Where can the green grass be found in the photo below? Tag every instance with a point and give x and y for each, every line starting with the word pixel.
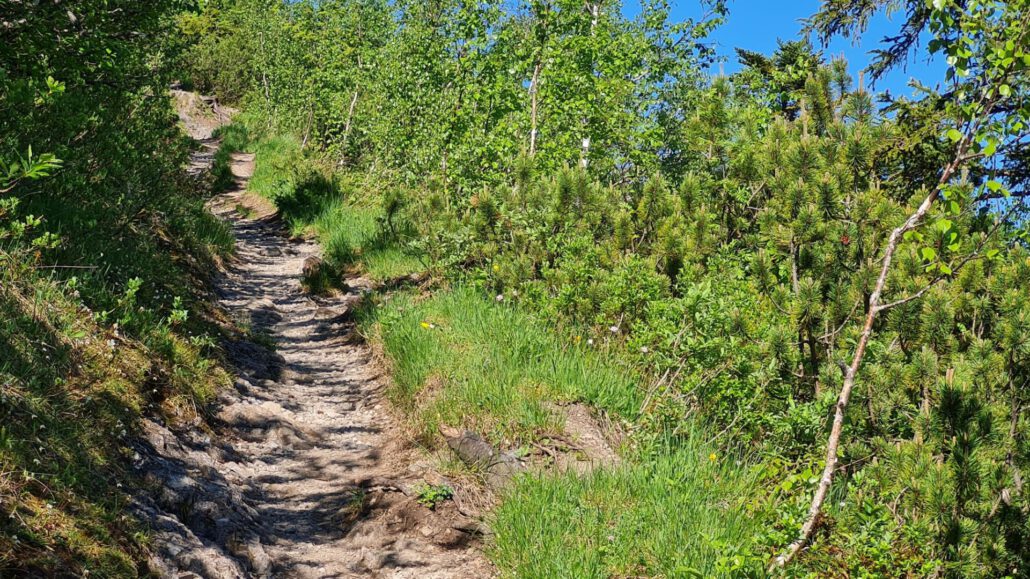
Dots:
pixel 345 221
pixel 461 360
pixel 235 138
pixel 351 236
pixel 71 394
pixel 280 173
pixel 674 515
pixel 492 368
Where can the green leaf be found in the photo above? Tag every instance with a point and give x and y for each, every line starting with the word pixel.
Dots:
pixel 928 253
pixel 954 135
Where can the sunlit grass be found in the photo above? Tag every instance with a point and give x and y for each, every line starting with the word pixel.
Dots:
pixel 461 360
pixel 676 514
pixel 342 217
pixel 350 235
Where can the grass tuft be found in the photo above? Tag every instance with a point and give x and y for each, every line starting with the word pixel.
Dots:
pixel 351 236
pixel 235 138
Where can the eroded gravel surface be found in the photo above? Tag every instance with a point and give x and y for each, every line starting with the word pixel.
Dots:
pixel 305 472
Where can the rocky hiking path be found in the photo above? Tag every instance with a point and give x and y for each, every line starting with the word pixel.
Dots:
pixel 306 473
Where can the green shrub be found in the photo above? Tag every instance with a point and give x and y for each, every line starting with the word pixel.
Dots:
pixel 430 496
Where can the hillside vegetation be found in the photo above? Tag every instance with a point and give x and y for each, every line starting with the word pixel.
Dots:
pixel 801 306
pixel 103 241
pixel 777 266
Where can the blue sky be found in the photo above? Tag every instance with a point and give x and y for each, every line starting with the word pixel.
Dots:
pixel 756 24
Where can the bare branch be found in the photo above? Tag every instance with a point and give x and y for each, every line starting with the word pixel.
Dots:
pixel 968 258
pixel 850 373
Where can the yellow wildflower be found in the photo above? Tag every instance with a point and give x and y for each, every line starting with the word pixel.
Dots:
pixel 425 325
pixel 712 457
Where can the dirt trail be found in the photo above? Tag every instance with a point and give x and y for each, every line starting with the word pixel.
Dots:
pixel 306 473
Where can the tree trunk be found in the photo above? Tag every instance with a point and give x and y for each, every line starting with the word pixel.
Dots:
pixel 584 156
pixel 307 128
pixel 533 90
pixel 350 118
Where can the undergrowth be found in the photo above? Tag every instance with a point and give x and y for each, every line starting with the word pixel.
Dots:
pixel 73 386
pixel 349 222
pixel 350 232
pixel 103 319
pixel 463 361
